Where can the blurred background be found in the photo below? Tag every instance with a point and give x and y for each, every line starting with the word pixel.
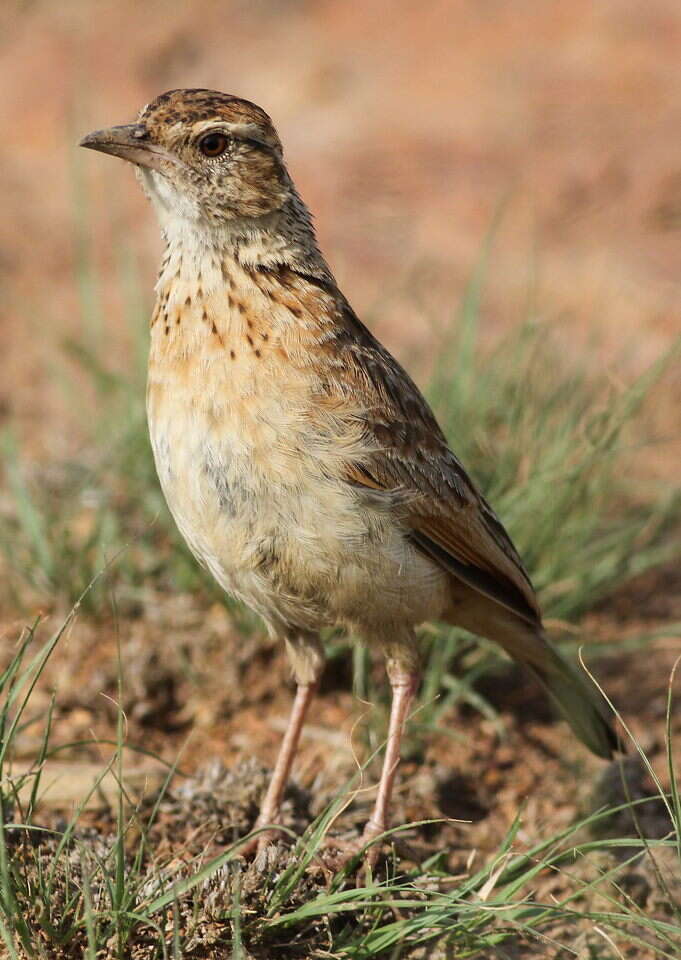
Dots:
pixel 405 125
pixel 497 186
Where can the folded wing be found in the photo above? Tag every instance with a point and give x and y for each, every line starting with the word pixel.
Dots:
pixel 409 460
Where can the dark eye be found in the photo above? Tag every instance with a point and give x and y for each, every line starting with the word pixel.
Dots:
pixel 213 144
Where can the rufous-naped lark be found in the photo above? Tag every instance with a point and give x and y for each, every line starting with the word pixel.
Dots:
pixel 301 464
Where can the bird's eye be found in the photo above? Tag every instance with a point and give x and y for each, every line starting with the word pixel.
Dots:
pixel 213 144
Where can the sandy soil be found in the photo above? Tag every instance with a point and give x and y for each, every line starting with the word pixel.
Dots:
pixel 190 691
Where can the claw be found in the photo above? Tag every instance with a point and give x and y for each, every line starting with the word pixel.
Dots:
pixel 259 842
pixel 348 850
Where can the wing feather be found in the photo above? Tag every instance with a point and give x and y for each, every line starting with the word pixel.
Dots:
pixel 446 517
pixel 405 457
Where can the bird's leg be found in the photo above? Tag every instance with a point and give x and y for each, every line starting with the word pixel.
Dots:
pixel 271 805
pixel 404 681
pixel 403 672
pixel 307 659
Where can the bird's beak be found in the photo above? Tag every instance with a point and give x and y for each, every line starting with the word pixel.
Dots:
pixel 130 142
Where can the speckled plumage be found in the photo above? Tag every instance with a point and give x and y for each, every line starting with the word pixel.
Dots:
pixel 299 460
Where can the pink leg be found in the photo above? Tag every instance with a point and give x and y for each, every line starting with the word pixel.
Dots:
pixel 404 683
pixel 306 656
pixel 271 806
pixel 404 679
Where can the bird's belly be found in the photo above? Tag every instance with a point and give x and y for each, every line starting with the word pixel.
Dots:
pixel 219 498
pixel 255 499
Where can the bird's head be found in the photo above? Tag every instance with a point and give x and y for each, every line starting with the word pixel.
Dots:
pixel 205 158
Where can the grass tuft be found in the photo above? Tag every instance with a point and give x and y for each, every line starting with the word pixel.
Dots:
pixel 145 884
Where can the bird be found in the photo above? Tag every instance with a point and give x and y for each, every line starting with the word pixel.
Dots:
pixel 299 460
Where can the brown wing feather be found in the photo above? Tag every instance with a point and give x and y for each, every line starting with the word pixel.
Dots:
pixel 408 455
pixel 407 458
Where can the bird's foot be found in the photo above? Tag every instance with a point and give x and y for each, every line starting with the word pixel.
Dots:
pixel 259 842
pixel 340 852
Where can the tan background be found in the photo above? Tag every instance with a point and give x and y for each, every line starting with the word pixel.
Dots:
pixel 406 126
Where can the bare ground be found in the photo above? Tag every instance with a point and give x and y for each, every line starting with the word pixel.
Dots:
pixel 184 676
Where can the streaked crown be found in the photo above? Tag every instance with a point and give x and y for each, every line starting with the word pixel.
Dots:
pixel 181 116
pixel 204 158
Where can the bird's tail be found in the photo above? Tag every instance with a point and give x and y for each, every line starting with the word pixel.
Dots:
pixel 579 701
